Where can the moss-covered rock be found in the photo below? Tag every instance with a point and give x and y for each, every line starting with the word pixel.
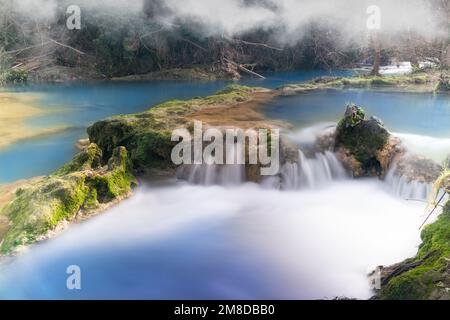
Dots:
pixel 363 139
pixel 81 185
pixel 88 159
pixel 39 208
pixel 427 276
pixel 147 135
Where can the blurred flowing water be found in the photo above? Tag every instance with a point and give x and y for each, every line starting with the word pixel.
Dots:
pixel 310 233
pixel 213 242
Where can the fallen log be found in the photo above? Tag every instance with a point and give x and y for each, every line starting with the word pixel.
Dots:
pixel 244 69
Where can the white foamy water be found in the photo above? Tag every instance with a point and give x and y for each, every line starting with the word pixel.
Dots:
pixel 244 242
pixel 437 149
pixel 408 190
pixel 308 233
pixel 309 173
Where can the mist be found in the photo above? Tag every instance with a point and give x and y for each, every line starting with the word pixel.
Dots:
pixel 288 20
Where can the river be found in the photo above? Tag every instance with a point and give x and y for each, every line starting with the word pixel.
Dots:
pixel 316 239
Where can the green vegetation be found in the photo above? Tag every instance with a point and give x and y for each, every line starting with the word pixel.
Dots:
pixel 429 278
pixel 80 186
pixel 363 138
pixel 147 135
pixel 422 79
pixel 13 77
pixel 444 83
pixel 104 170
pixel 86 160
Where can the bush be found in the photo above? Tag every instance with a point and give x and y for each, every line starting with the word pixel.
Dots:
pixel 14 77
pixel 444 83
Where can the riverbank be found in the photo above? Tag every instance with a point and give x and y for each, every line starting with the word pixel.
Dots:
pixel 63 74
pixel 422 81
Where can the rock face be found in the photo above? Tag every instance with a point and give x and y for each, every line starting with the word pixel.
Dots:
pixel 417 168
pixel 80 186
pixel 363 144
pixel 427 276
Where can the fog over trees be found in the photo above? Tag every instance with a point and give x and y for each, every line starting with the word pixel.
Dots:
pixel 120 37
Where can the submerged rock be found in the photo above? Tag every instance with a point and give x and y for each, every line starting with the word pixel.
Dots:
pixel 79 186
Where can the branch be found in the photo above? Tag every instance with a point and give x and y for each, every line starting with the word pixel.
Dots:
pixel 194 44
pixel 66 46
pixel 434 209
pixel 258 44
pixel 242 68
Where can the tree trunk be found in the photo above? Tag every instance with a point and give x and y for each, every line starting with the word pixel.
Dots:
pixel 377 54
pixel 445 54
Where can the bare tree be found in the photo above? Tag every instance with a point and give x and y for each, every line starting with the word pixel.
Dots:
pixel 376 45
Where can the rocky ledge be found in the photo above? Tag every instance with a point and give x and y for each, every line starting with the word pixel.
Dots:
pixel 81 187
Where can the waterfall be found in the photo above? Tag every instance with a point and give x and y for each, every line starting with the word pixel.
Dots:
pixel 311 172
pixel 216 174
pixel 405 188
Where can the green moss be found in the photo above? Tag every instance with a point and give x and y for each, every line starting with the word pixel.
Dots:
pixel 415 79
pixel 13 77
pixel 362 137
pixel 147 135
pixel 91 201
pixel 43 205
pixel 431 278
pixel 117 181
pixel 85 160
pixel 37 209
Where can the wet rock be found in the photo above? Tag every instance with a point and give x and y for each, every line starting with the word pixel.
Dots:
pixel 417 168
pixel 392 150
pixel 364 140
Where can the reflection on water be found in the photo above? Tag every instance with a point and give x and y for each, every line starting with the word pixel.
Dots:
pixel 190 242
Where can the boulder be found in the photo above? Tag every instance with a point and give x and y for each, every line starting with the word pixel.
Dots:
pixel 363 142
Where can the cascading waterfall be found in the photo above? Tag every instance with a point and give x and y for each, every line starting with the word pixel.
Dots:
pixel 307 173
pixel 312 172
pixel 216 174
pixel 404 188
